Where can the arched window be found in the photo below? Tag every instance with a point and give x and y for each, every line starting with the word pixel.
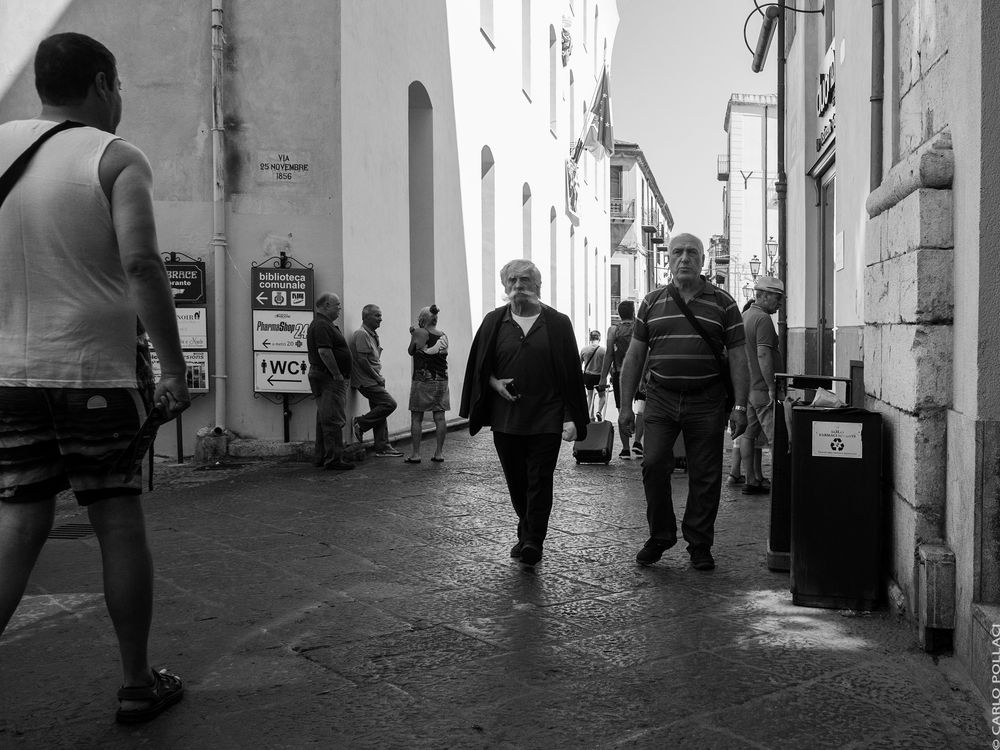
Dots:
pixel 553 275
pixel 572 273
pixel 597 67
pixel 526 47
pixel 489 262
pixel 526 220
pixel 553 80
pixel 421 198
pixel 573 135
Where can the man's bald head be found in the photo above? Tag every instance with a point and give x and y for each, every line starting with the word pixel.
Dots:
pixel 686 239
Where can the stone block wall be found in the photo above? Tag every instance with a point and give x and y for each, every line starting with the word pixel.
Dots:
pixel 909 307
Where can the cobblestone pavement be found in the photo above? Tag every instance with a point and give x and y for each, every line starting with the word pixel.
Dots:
pixel 379 608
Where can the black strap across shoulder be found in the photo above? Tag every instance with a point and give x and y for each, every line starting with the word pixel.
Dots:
pixel 15 170
pixel 723 364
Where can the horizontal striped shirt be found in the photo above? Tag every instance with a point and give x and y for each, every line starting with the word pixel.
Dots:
pixel 679 358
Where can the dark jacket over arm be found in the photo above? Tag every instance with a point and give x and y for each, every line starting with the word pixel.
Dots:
pixel 476 391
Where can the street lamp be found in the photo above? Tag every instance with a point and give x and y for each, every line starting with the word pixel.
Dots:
pixel 746 292
pixel 755 267
pixel 772 251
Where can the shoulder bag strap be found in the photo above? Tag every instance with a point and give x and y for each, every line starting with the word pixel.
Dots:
pixel 723 365
pixel 15 170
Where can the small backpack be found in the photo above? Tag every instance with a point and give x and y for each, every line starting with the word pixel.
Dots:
pixel 623 337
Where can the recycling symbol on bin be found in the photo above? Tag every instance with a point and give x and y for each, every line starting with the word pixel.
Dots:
pixel 837 445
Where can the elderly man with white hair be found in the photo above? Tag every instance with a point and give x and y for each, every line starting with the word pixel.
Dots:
pixel 692 332
pixel 523 379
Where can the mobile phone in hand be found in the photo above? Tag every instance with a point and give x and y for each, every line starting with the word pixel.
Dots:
pixel 512 390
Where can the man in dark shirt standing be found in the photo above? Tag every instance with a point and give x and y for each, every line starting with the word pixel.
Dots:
pixel 686 393
pixel 329 370
pixel 523 379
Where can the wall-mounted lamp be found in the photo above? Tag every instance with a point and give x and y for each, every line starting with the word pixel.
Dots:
pixel 767 29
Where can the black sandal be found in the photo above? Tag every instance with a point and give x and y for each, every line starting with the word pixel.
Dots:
pixel 165 691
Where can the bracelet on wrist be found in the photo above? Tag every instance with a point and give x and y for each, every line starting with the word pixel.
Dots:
pixel 737 407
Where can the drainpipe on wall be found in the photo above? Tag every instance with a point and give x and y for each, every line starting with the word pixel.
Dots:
pixel 878 83
pixel 780 186
pixel 219 244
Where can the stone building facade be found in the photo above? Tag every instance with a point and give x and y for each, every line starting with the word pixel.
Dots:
pixel 893 208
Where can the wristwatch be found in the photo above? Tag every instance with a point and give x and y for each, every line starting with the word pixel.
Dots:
pixel 739 408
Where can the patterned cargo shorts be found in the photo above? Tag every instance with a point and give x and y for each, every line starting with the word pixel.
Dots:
pixel 53 439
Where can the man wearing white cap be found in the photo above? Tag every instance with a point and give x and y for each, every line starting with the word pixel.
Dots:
pixel 764 359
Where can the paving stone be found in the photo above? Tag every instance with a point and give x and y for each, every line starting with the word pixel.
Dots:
pixel 382 609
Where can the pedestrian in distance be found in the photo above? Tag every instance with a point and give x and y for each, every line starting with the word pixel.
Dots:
pixel 329 373
pixel 80 257
pixel 763 360
pixel 429 385
pixel 592 358
pixel 618 340
pixel 736 475
pixel 523 379
pixel 686 329
pixel 366 376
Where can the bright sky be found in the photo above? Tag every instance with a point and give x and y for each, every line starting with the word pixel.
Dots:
pixel 674 65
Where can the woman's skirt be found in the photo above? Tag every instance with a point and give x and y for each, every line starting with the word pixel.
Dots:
pixel 429 395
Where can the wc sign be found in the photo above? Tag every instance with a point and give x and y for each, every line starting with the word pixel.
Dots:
pixel 280 372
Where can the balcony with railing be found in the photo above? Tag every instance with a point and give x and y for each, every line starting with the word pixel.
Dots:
pixel 651 220
pixel 622 210
pixel 718 252
pixel 723 171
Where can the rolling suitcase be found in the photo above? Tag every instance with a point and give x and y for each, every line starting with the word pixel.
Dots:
pixel 597 446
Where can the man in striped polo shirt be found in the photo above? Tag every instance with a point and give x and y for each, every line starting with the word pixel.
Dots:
pixel 686 394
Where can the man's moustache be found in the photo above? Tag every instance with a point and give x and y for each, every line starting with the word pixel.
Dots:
pixel 527 294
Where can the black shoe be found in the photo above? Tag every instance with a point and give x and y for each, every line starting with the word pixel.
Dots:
pixel 701 559
pixel 637 450
pixel 339 466
pixel 515 551
pixel 625 455
pixel 755 489
pixel 530 554
pixel 652 551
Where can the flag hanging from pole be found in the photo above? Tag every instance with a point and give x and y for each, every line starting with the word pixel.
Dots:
pixel 599 132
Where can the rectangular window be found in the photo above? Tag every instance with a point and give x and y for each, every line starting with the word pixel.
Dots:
pixel 526 48
pixel 486 20
pixel 829 16
pixel 616 287
pixel 616 183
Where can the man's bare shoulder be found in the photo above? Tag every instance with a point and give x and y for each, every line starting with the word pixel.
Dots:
pixel 119 156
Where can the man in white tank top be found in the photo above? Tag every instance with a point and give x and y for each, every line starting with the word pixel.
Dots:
pixel 81 263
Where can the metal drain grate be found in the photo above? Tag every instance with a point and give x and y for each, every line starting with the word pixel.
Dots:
pixel 71 531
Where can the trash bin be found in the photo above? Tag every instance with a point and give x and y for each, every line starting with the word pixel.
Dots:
pixel 779 540
pixel 836 508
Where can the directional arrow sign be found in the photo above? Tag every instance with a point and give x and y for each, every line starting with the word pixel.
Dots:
pixel 187 281
pixel 281 288
pixel 280 372
pixel 280 331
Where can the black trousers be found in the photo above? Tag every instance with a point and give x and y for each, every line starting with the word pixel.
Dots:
pixel 529 462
